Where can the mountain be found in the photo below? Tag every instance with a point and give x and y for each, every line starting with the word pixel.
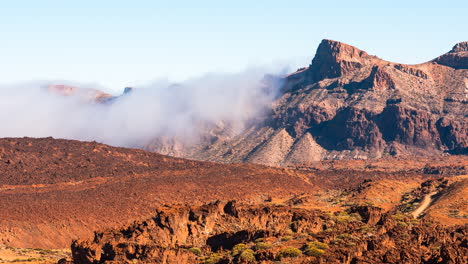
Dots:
pixel 348 104
pixel 86 94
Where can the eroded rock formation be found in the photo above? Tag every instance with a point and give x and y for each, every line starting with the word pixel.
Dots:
pixel 220 232
pixel 350 105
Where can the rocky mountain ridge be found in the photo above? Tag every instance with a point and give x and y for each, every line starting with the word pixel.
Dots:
pixel 350 105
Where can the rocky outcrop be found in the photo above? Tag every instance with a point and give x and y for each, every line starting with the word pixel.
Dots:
pixel 334 59
pixel 456 58
pixel 350 105
pixel 453 134
pixel 220 232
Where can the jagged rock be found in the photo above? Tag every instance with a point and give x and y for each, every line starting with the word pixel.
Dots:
pixel 453 134
pixel 334 59
pixel 348 104
pixel 457 57
pixel 378 238
pixel 370 214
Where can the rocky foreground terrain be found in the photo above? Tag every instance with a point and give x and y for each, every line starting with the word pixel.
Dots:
pixel 349 105
pixel 53 191
pixel 231 233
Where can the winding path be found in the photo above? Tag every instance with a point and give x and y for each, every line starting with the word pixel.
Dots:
pixel 425 203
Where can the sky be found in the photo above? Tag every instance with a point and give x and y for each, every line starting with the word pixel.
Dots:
pixel 115 43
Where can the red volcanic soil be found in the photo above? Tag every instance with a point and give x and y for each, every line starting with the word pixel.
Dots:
pixel 53 190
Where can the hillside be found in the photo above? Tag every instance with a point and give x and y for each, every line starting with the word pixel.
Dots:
pixel 348 104
pixel 54 190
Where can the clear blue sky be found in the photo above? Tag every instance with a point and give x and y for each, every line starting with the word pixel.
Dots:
pixel 118 43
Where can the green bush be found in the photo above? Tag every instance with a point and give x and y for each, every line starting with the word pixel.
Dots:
pixel 344 236
pixel 314 252
pixel 212 259
pixel 247 255
pixel 317 244
pixel 402 224
pixel 289 252
pixel 399 217
pixel 195 251
pixel 239 248
pixel 366 229
pixel 262 245
pixel 315 248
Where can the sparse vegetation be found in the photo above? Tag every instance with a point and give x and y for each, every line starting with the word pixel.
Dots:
pixel 314 252
pixel 212 259
pixel 247 255
pixel 262 245
pixel 402 224
pixel 238 249
pixel 367 229
pixel 315 248
pixel 289 252
pixel 318 244
pixel 195 251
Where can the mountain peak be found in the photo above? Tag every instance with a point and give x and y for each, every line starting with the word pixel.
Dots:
pixel 461 46
pixel 339 50
pixel 334 58
pixel 456 58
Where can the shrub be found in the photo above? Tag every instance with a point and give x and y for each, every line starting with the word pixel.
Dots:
pixel 337 241
pixel 350 244
pixel 344 236
pixel 402 224
pixel 286 238
pixel 366 229
pixel 399 217
pixel 195 251
pixel 239 248
pixel 356 216
pixel 343 219
pixel 289 252
pixel 212 259
pixel 315 248
pixel 317 244
pixel 262 245
pixel 247 255
pixel 314 252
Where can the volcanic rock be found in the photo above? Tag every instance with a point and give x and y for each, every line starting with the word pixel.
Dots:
pixel 378 238
pixel 350 105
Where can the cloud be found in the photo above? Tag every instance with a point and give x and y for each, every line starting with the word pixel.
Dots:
pixel 181 110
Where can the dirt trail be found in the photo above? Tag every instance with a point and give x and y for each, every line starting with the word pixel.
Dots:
pixel 425 203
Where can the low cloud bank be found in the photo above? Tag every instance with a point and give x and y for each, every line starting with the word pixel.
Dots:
pixel 134 119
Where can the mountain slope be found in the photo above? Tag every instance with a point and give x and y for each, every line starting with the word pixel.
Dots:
pixel 350 105
pixel 52 190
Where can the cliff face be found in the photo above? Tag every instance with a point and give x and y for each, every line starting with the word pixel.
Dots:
pixel 348 104
pixel 232 233
pixel 457 57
